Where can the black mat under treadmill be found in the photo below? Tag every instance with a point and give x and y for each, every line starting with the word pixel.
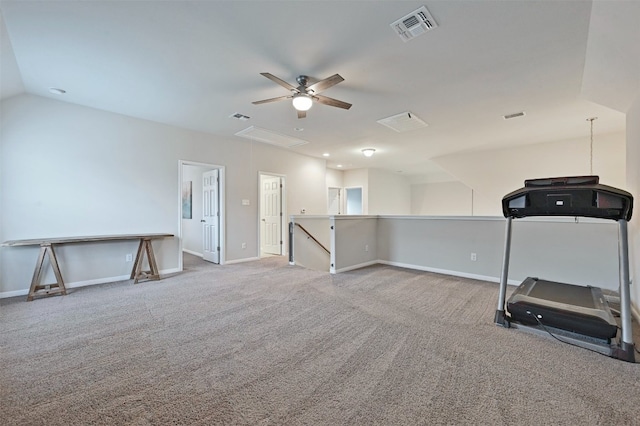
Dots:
pixel 581 310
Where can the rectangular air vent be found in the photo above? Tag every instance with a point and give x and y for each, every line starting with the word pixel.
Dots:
pixel 517 114
pixel 403 122
pixel 414 24
pixel 270 137
pixel 239 116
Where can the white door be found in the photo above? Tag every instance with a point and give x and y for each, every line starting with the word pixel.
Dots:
pixel 334 201
pixel 210 217
pixel 271 214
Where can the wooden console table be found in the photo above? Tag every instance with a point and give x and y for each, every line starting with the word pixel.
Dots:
pixel 46 249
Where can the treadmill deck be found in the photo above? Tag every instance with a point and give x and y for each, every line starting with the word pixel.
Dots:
pixel 581 310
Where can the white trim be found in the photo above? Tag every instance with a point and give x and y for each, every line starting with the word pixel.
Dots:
pixel 352 267
pixel 184 250
pixel 448 272
pixel 221 194
pixel 14 293
pixel 284 228
pixel 87 283
pixel 246 259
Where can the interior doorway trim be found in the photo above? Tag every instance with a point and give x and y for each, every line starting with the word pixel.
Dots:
pixel 284 251
pixel 222 234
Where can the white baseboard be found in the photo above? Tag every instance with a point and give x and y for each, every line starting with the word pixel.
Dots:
pixel 448 272
pixel 195 253
pixel 246 259
pixel 13 293
pixel 85 283
pixel 352 267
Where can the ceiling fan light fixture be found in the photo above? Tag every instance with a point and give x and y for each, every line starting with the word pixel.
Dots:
pixel 302 102
pixel 368 152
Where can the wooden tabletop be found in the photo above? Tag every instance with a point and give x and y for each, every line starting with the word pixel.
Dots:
pixel 87 239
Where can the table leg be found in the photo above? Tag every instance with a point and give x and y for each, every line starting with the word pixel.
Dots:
pixel 137 273
pixel 48 289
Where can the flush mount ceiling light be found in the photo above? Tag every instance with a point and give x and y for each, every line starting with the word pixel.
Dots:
pixel 57 91
pixel 302 102
pixel 368 152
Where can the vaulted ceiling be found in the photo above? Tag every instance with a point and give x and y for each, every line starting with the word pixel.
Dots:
pixel 193 64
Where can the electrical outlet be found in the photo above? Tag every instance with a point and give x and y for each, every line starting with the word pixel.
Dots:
pixel 366 247
pixel 473 257
pixel 129 257
pixel 244 245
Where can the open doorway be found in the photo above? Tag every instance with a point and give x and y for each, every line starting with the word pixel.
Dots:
pixel 201 211
pixel 271 219
pixel 354 200
pixel 334 205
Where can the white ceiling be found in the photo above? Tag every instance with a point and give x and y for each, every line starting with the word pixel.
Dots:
pixel 193 64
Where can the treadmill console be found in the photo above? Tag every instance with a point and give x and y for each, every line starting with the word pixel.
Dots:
pixel 568 196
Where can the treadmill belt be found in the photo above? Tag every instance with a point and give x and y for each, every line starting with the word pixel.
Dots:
pixel 581 310
pixel 563 293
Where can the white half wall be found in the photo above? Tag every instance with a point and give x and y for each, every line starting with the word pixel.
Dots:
pixel 583 253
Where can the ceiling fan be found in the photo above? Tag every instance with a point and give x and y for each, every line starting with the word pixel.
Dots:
pixel 304 95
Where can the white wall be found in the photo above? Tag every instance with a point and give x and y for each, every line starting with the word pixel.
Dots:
pixel 389 193
pixel 441 199
pixel 68 170
pixel 493 173
pixel 334 178
pixel 306 252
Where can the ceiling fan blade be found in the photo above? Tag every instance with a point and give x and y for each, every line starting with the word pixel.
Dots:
pixel 279 81
pixel 302 114
pixel 331 102
pixel 265 101
pixel 325 84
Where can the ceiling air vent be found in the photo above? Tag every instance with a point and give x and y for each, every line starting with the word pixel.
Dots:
pixel 414 24
pixel 270 137
pixel 239 116
pixel 403 122
pixel 517 114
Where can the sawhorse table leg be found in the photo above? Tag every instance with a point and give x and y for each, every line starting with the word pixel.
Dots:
pixel 36 288
pixel 137 273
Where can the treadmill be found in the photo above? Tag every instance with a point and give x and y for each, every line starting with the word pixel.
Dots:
pixel 574 314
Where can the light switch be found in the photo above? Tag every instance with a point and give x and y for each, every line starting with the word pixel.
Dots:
pixel 245 202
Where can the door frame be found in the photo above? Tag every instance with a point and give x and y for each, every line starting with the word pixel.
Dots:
pixel 340 203
pixel 284 250
pixel 222 207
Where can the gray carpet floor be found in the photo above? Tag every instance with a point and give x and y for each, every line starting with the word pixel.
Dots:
pixel 265 343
